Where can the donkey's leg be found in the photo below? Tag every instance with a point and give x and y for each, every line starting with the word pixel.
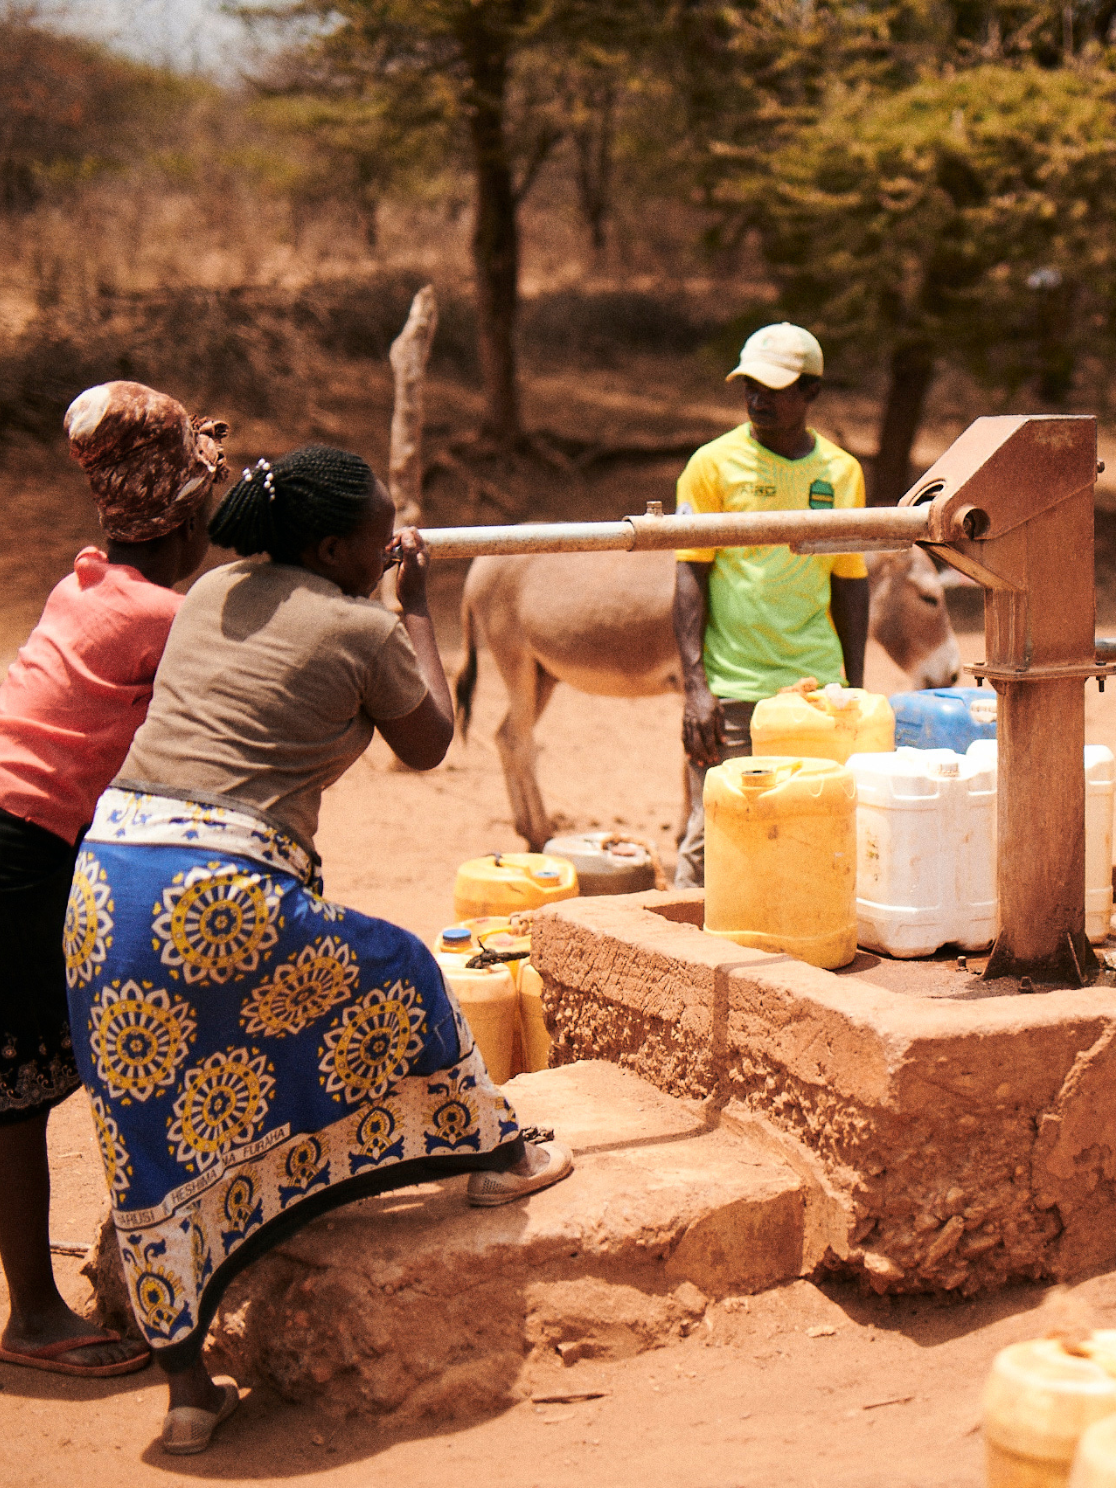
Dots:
pixel 516 742
pixel 544 690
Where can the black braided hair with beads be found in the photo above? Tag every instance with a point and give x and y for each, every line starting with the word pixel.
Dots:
pixel 282 507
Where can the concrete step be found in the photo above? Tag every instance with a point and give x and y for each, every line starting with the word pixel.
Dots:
pixel 653 1181
pixel 415 1303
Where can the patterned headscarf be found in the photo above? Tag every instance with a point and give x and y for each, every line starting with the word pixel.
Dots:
pixel 149 463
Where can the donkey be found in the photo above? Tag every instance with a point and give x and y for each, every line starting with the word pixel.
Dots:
pixel 602 622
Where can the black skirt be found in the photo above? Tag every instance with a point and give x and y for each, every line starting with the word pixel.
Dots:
pixel 37 1068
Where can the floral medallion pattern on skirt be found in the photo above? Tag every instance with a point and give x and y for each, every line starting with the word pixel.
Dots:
pixel 246 1044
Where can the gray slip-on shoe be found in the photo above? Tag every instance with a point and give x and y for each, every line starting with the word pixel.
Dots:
pixel 187 1429
pixel 488 1189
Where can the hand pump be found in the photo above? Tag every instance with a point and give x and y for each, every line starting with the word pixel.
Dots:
pixel 1010 503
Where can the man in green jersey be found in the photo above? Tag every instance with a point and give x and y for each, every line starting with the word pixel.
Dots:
pixel 750 621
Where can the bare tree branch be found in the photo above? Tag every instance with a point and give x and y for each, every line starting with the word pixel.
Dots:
pixel 541 146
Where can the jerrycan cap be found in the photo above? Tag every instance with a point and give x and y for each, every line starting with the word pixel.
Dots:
pixel 983 708
pixel 771 772
pixel 546 875
pixel 838 696
pixel 456 935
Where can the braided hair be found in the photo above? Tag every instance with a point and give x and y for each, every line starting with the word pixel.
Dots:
pixel 283 507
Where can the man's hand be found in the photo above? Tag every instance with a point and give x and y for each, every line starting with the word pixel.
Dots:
pixel 703 727
pixel 804 686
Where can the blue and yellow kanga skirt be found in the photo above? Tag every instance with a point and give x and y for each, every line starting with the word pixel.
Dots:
pixel 253 1053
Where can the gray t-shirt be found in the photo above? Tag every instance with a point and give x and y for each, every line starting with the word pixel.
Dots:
pixel 270 687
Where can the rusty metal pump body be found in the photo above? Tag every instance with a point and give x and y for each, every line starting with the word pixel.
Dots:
pixel 1010 504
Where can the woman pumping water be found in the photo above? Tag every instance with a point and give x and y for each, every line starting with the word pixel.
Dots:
pixel 256 1054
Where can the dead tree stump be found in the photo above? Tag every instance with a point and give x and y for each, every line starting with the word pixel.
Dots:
pixel 410 352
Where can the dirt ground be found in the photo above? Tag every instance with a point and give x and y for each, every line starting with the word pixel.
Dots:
pixel 890 1397
pixel 802 1385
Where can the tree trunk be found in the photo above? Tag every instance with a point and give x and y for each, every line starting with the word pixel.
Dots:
pixel 496 230
pixel 409 354
pixel 912 371
pixel 593 149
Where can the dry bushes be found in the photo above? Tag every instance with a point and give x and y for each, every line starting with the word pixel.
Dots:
pixel 208 347
pixel 262 351
pixel 165 230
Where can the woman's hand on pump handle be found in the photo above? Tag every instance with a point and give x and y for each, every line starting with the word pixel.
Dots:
pixel 409 552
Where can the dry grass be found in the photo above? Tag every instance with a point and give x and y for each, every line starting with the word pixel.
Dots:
pixel 260 350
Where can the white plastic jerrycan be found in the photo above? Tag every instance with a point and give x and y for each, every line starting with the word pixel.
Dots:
pixel 926 851
pixel 1100 790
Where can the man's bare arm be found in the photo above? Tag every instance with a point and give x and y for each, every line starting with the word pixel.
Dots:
pixel 702 720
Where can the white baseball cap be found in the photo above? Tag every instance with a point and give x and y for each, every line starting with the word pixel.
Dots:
pixel 778 355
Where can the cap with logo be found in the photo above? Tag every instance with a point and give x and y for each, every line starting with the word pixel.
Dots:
pixel 778 355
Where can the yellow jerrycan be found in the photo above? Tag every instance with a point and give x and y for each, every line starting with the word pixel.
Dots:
pixel 1094 1465
pixel 536 1037
pixel 487 996
pixel 508 936
pixel 502 883
pixel 509 942
pixel 831 723
pixel 780 857
pixel 1038 1401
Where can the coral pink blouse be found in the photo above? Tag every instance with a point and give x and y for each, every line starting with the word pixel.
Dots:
pixel 78 691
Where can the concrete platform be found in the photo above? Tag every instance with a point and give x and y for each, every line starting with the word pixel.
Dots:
pixel 946 1142
pixel 414 1302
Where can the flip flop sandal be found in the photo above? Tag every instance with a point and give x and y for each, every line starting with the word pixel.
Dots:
pixel 187 1429
pixel 537 1134
pixel 47 1357
pixel 488 1189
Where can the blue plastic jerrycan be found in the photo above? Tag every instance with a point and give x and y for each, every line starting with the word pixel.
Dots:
pixel 944 717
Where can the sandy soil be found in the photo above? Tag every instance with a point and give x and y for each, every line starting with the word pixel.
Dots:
pixel 813 1386
pixel 884 1394
pixel 890 1397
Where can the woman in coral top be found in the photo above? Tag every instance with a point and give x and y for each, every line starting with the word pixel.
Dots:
pixel 72 700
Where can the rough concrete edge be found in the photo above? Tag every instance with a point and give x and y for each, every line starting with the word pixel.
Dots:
pixel 896 1034
pixel 104 1270
pixel 896 1019
pixel 829 1216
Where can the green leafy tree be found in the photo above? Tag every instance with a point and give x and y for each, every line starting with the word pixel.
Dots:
pixel 69 109
pixel 499 84
pixel 965 217
pixel 341 147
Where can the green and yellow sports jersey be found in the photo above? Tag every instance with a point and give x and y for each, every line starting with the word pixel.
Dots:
pixel 769 622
